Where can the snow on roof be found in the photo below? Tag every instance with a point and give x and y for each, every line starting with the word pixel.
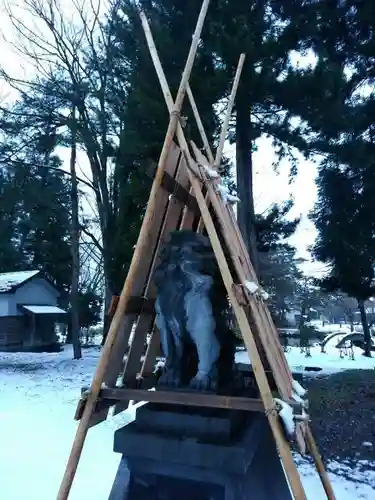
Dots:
pixel 8 281
pixel 44 309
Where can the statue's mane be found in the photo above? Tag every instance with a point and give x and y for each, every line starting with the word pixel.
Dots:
pixel 186 247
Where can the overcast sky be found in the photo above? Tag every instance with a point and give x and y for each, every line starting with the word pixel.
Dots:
pixel 274 187
pixel 269 186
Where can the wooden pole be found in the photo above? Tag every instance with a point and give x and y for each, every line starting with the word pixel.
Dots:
pixel 215 163
pixel 157 64
pixel 287 459
pixel 260 375
pixel 228 114
pixel 200 126
pixel 284 449
pixel 319 464
pixel 141 247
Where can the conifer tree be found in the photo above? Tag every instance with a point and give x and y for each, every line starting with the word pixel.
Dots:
pixel 345 222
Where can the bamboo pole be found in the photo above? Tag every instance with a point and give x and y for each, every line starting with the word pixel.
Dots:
pixel 205 142
pixel 200 126
pixel 215 162
pixel 165 87
pixel 260 375
pixel 210 156
pixel 242 249
pixel 228 114
pixel 141 247
pixel 169 101
pixel 284 449
pixel 319 464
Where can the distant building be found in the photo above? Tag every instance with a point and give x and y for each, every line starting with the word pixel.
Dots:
pixel 293 317
pixel 28 311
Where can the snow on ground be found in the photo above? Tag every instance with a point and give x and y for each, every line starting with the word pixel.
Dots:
pixel 38 397
pixel 329 362
pixel 333 327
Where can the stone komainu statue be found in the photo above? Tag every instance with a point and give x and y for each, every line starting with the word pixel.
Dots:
pixel 192 315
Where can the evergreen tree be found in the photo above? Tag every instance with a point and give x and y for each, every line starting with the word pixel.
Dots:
pixel 36 213
pixel 257 29
pixel 278 265
pixel 274 227
pixel 11 257
pixel 330 96
pixel 346 234
pixel 144 116
pixel 280 276
pixel 337 119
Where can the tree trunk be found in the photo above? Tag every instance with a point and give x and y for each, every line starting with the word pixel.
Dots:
pixel 351 321
pixel 244 144
pixel 107 319
pixel 302 316
pixel 74 291
pixel 69 338
pixel 366 329
pixel 109 286
pixel 349 316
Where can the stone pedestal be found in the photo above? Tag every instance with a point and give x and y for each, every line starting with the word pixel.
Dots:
pixel 177 453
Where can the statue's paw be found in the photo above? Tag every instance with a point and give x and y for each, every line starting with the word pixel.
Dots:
pixel 203 383
pixel 170 378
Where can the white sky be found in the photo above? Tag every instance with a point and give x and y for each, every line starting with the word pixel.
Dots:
pixel 269 186
pixel 274 187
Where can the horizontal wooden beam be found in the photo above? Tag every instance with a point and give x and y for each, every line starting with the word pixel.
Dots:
pixel 183 398
pixel 138 305
pixel 180 193
pixel 170 184
pixel 109 396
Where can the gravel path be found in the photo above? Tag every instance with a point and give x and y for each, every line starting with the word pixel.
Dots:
pixel 342 409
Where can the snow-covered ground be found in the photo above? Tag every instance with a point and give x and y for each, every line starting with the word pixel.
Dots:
pixel 329 361
pixel 38 397
pixel 323 326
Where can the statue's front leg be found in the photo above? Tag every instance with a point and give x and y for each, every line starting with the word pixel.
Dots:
pixel 170 339
pixel 201 328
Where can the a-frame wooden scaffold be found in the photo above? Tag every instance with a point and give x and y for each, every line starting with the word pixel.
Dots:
pixel 187 194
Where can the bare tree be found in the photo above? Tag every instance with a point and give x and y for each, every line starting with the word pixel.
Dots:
pixel 72 50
